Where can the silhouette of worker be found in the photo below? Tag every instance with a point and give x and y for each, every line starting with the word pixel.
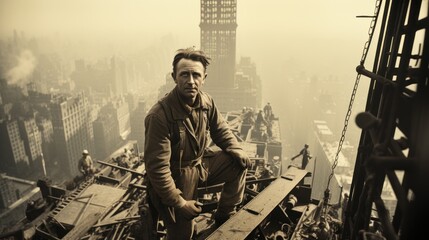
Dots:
pixel 268 111
pixel 305 156
pixel 260 119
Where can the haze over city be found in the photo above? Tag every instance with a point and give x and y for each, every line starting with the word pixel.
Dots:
pixel 285 39
pixel 322 39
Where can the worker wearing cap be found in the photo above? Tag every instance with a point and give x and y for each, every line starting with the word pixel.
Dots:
pixel 86 165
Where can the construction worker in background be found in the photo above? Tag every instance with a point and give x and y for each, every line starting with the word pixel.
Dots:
pixel 86 165
pixel 248 117
pixel 305 156
pixel 127 153
pixel 260 119
pixel 268 111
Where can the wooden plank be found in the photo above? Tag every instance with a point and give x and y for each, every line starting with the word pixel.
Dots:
pixel 104 197
pixel 84 209
pixel 253 213
pixel 83 227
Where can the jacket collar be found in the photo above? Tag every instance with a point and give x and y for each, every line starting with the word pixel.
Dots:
pixel 179 109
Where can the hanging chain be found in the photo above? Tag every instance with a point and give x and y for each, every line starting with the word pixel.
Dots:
pixel 353 95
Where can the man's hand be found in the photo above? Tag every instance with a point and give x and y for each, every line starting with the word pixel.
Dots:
pixel 241 158
pixel 191 209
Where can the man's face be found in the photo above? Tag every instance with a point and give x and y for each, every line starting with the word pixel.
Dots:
pixel 189 77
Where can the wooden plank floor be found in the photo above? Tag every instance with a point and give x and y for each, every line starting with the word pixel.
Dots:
pixel 253 213
pixel 103 197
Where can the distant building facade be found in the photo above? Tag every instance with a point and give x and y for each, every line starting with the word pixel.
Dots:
pixel 32 142
pixel 106 134
pixel 137 124
pixel 249 85
pixel 73 131
pixel 167 87
pixel 14 159
pixel 48 149
pixel 108 78
pixel 119 107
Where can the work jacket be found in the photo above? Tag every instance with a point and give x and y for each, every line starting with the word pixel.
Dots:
pixel 162 159
pixel 85 163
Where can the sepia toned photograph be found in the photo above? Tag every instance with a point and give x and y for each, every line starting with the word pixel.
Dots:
pixel 214 119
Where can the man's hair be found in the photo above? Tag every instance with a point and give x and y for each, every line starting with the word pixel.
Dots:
pixel 192 54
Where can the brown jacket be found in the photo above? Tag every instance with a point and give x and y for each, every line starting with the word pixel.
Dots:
pixel 158 150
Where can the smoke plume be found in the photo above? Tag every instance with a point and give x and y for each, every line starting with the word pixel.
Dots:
pixel 21 73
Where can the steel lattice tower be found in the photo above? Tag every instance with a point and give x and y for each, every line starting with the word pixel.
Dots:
pixel 218 39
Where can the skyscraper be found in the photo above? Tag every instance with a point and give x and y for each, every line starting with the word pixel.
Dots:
pixel 73 131
pixel 218 39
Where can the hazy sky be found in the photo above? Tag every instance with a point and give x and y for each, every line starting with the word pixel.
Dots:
pixel 318 37
pixel 284 38
pixel 259 22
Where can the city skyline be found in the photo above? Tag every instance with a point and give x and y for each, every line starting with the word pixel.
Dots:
pixel 292 51
pixel 285 39
pixel 327 36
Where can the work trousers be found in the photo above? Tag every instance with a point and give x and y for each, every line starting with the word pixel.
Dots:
pixel 304 163
pixel 221 168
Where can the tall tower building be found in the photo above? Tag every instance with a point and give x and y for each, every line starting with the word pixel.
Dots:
pixel 218 39
pixel 73 131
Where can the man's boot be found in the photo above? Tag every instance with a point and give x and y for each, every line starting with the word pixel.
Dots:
pixel 221 216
